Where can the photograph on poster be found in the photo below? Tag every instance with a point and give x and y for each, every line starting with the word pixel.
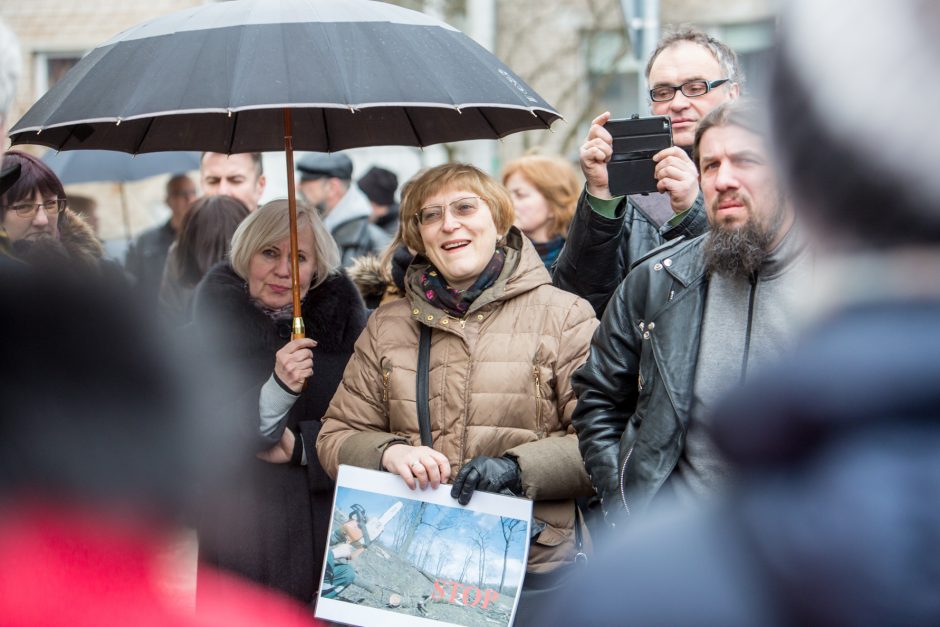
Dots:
pixel 403 557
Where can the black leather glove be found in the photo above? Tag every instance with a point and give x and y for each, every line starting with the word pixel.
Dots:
pixel 490 474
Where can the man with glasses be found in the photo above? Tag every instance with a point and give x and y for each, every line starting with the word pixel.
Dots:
pixel 689 323
pixel 689 74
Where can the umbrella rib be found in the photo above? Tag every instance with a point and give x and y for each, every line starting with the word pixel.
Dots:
pixel 326 129
pixel 144 135
pixel 231 138
pixel 488 123
pixel 414 129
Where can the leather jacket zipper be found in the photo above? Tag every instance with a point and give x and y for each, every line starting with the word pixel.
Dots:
pixel 623 472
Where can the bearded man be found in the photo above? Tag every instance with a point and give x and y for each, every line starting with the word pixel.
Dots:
pixel 692 320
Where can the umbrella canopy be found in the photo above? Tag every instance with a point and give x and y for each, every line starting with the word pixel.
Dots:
pixel 93 166
pixel 217 77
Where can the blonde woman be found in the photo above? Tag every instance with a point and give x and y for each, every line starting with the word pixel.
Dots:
pixel 269 521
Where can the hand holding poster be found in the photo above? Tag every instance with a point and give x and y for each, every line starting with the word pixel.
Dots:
pixel 402 557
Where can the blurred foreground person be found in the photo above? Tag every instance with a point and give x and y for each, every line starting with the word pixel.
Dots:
pixel 204 240
pixel 269 521
pixel 96 459
pixel 502 345
pixel 689 323
pixel 838 520
pixel 544 192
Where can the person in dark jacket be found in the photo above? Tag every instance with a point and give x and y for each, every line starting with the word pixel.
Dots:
pixel 43 231
pixel 836 518
pixel 271 524
pixel 204 240
pixel 689 74
pixel 146 257
pixel 326 183
pixel 689 323
pixel 379 186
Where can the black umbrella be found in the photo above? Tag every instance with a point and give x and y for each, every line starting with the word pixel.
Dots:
pixel 256 75
pixel 217 77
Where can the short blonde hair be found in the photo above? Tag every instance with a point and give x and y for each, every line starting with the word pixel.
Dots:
pixel 271 224
pixel 451 176
pixel 556 180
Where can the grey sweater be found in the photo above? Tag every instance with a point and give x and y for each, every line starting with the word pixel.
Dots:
pixel 781 281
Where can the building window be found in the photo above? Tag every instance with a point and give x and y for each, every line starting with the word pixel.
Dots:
pixel 51 67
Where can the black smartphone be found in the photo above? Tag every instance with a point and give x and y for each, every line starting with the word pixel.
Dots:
pixel 636 140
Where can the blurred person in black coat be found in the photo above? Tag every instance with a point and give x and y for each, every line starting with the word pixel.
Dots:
pixel 837 518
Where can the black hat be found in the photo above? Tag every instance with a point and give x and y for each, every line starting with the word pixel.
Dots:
pixel 9 176
pixel 379 185
pixel 318 165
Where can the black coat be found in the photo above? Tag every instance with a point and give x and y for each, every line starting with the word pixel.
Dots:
pixel 269 522
pixel 599 251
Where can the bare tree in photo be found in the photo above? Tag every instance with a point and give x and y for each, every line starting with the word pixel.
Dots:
pixel 466 564
pixel 480 541
pixel 510 528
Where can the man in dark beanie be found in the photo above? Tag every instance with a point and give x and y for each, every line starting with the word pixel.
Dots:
pixel 379 185
pixel 836 519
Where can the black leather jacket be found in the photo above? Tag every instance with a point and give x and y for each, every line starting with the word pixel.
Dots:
pixel 600 251
pixel 642 366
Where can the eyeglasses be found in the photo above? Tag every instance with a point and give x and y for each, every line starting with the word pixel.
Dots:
pixel 689 89
pixel 29 209
pixel 461 208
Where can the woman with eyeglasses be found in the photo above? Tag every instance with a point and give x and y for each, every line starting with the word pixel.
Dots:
pixel 34 211
pixel 504 344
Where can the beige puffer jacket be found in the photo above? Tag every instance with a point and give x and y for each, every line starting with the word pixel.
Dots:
pixel 499 383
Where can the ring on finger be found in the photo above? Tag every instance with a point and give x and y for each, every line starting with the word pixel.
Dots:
pixel 417 466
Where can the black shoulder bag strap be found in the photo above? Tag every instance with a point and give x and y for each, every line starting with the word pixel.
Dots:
pixel 424 356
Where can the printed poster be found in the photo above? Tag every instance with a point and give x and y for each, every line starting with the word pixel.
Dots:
pixel 402 557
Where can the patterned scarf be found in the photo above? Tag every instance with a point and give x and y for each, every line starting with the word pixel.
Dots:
pixel 457 302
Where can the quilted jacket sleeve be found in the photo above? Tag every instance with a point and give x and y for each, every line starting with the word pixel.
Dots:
pixel 355 427
pixel 552 467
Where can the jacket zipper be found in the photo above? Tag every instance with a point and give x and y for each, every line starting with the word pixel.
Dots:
pixel 386 374
pixel 750 321
pixel 623 472
pixel 538 397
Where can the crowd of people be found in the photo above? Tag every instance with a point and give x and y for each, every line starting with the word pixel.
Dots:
pixel 725 386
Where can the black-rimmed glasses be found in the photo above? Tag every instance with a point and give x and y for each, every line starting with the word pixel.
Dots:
pixel 29 209
pixel 689 89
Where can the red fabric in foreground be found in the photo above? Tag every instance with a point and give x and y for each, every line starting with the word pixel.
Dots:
pixel 66 568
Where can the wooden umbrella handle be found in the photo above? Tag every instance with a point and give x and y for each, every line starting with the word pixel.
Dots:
pixel 297 329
